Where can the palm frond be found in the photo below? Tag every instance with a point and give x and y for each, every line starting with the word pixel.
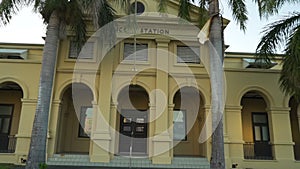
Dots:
pixel 203 13
pixel 239 12
pixel 106 14
pixel 47 7
pixel 124 4
pixel 275 35
pixel 290 74
pixel 267 8
pixel 9 8
pixel 184 8
pixel 101 11
pixel 162 6
pixel 74 17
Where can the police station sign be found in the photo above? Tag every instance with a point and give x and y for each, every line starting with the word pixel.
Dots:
pixel 144 30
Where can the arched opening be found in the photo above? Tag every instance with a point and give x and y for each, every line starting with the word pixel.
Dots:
pixel 133 105
pixel 295 121
pixel 10 112
pixel 75 119
pixel 256 133
pixel 188 120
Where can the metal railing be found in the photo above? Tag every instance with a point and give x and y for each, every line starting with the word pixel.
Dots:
pixel 250 153
pixel 11 147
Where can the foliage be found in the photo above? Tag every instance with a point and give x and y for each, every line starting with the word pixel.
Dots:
pixel 237 7
pixel 43 166
pixel 286 32
pixel 6 166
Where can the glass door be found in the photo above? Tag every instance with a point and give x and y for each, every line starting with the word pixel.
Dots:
pixel 5 122
pixel 262 147
pixel 133 132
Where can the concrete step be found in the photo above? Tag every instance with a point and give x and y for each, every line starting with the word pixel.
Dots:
pixel 125 162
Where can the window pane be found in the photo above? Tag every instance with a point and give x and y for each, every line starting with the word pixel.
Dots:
pixel 141 53
pixel 5 127
pixel 86 117
pixel 260 118
pixel 186 54
pixel 179 127
pixel 265 133
pixel 73 52
pixel 257 133
pixel 6 109
pixel 87 51
pixel 127 128
pixel 140 120
pixel 139 129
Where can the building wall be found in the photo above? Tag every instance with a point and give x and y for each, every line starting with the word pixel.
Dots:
pixel 169 78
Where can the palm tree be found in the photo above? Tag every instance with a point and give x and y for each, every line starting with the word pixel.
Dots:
pixel 239 12
pixel 283 32
pixel 57 14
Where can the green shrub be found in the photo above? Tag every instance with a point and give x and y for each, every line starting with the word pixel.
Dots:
pixel 43 166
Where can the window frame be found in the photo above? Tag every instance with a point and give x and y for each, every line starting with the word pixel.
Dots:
pixel 85 59
pixel 260 125
pixel 189 47
pixel 142 42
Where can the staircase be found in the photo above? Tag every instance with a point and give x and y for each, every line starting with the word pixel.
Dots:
pixel 120 161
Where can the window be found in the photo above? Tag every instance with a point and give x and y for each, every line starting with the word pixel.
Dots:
pixel 179 125
pixel 87 51
pixel 5 118
pixel 85 119
pixel 141 53
pixel 13 54
pixel 261 129
pixel 140 8
pixel 187 54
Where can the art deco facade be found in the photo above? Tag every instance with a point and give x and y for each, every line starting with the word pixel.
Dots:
pixel 147 109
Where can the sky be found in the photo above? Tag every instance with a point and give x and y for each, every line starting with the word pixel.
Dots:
pixel 28 27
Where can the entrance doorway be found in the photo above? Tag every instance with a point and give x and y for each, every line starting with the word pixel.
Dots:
pixel 10 113
pixel 262 146
pixel 133 132
pixel 5 123
pixel 75 120
pixel 133 106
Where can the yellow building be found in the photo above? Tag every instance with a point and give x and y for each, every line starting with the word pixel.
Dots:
pixel 149 109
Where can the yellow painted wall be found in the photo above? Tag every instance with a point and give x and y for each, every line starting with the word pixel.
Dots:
pixel 63 128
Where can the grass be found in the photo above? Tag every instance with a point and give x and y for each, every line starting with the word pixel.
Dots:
pixel 6 166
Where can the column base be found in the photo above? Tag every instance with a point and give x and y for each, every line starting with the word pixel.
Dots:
pixel 162 159
pixel 103 158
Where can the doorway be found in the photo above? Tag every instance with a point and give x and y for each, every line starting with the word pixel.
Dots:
pixel 6 111
pixel 133 132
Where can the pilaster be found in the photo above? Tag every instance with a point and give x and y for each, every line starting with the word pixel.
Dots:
pixel 233 140
pixel 162 141
pixel 101 136
pixel 25 128
pixel 281 136
pixel 52 129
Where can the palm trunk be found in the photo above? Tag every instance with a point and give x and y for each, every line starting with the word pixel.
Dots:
pixel 216 75
pixel 37 151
